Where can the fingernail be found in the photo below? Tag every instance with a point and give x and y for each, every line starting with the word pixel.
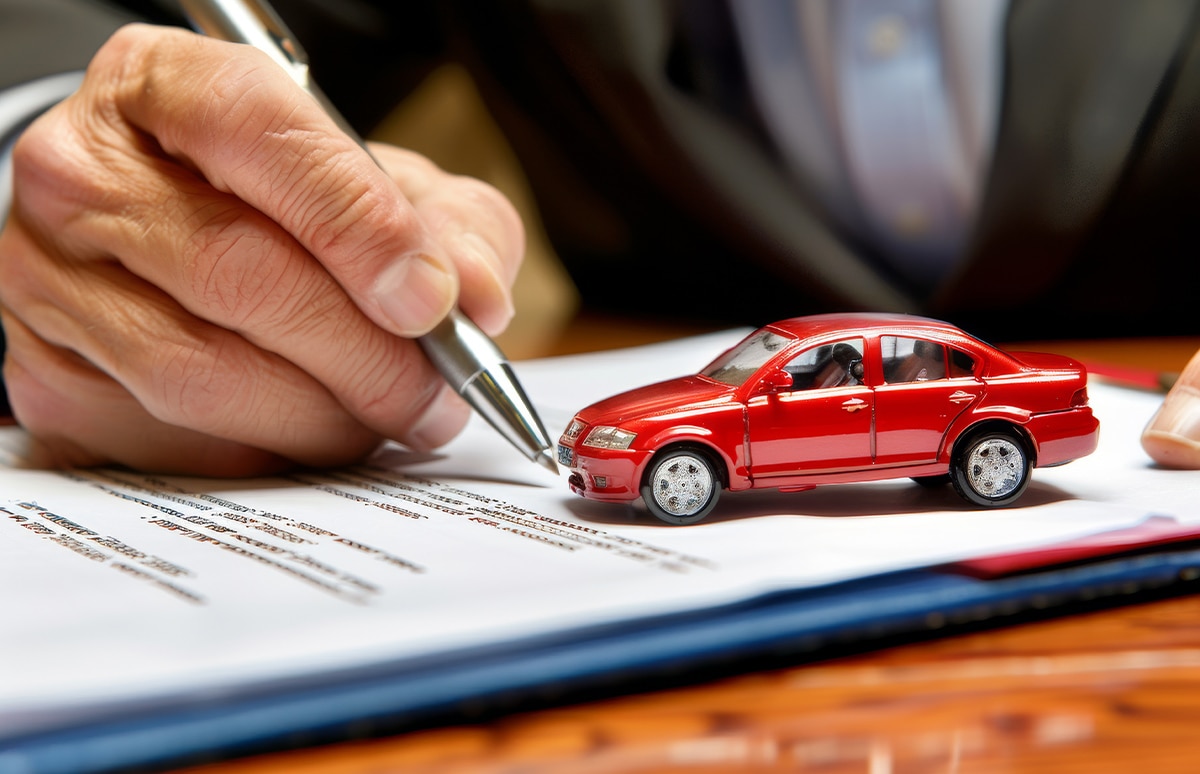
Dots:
pixel 444 419
pixel 1173 436
pixel 415 293
pixel 495 319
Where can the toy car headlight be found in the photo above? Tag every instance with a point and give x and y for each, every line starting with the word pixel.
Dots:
pixel 573 429
pixel 606 437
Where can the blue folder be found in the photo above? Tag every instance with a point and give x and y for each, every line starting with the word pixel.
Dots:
pixel 781 627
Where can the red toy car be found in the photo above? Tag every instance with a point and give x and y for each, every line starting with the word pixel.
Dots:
pixel 829 399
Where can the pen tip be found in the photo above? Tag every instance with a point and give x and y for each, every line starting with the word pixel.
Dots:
pixel 546 460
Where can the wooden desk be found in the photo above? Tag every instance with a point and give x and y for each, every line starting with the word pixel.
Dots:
pixel 1110 691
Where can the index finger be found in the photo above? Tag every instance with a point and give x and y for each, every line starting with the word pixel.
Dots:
pixel 237 118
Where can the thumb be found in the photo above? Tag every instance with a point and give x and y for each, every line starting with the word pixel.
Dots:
pixel 1172 438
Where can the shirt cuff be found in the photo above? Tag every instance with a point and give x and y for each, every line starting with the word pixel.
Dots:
pixel 19 106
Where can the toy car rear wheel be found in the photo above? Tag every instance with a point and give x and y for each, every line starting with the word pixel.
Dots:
pixel 991 468
pixel 681 486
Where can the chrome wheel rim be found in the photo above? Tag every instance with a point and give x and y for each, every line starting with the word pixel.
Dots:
pixel 682 485
pixel 995 468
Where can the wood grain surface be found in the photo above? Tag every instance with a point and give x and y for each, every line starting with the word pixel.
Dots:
pixel 1115 690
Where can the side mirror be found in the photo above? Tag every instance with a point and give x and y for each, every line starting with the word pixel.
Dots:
pixel 779 381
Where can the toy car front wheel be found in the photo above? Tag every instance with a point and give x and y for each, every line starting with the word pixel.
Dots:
pixel 681 486
pixel 991 468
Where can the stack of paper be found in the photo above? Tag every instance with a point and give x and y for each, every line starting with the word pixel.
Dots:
pixel 147 617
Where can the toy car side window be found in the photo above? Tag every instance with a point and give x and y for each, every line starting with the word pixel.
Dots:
pixel 911 360
pixel 828 365
pixel 961 364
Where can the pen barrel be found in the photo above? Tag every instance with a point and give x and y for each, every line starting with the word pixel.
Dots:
pixel 459 350
pixel 254 24
pixel 478 371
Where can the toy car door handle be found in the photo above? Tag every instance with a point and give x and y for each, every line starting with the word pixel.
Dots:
pixel 854 404
pixel 959 396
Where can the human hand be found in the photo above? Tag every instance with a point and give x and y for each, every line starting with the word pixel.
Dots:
pixel 202 274
pixel 1172 438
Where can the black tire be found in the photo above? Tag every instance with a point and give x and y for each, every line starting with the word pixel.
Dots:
pixel 933 482
pixel 681 486
pixel 991 468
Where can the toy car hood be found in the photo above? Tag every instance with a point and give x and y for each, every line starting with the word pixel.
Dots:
pixel 669 397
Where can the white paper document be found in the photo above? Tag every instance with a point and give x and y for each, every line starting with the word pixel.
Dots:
pixel 122 587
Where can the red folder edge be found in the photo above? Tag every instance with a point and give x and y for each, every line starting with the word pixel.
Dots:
pixel 1154 531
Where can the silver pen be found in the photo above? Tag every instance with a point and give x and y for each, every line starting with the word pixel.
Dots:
pixel 469 361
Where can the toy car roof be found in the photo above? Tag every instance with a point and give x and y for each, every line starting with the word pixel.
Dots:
pixel 821 324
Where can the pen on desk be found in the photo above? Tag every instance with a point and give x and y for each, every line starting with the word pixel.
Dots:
pixel 463 354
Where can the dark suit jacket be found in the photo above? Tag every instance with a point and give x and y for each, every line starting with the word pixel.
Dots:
pixel 662 193
pixel 663 196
